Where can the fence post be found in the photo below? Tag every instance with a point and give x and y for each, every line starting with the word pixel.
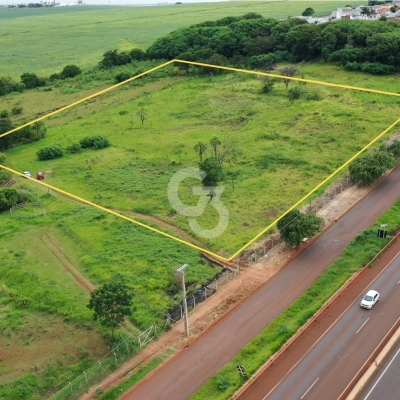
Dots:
pixel 194 301
pixel 100 366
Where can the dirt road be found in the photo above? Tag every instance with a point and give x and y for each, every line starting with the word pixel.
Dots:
pixel 190 368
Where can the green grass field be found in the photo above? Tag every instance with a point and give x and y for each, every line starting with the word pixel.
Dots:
pixel 41 300
pixel 44 40
pixel 284 147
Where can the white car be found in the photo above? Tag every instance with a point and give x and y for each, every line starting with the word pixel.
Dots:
pixel 27 173
pixel 369 299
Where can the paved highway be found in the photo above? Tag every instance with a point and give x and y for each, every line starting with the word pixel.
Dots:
pixel 328 367
pixel 385 383
pixel 189 369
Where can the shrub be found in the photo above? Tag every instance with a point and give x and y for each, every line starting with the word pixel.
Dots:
pixel 95 142
pixel 4 114
pixel 9 197
pixel 137 54
pixel 74 148
pixel 16 110
pixel 50 153
pixel 32 81
pixel 122 76
pixel 4 176
pixel 369 167
pixel 54 77
pixel 294 93
pixel 70 71
pixel 223 383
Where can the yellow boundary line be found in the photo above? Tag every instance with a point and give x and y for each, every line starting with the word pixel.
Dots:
pixel 86 98
pixel 112 212
pixel 292 78
pixel 212 66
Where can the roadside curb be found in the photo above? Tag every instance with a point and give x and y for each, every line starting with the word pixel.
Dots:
pixel 298 333
pixel 374 366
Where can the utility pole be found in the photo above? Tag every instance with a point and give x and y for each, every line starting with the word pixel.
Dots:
pixel 181 270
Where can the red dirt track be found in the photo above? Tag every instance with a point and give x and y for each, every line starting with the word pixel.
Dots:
pixel 184 373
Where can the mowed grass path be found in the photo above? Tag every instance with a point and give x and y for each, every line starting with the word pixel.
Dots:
pixel 44 40
pixel 284 147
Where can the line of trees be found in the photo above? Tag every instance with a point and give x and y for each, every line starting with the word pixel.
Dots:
pixel 29 134
pixel 370 46
pixel 255 42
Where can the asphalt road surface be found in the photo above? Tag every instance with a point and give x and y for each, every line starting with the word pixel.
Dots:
pixel 184 373
pixel 385 382
pixel 326 369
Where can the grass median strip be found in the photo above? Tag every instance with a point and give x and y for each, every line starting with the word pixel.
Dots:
pixel 355 256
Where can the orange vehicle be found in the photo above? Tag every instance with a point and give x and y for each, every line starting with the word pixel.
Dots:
pixel 40 175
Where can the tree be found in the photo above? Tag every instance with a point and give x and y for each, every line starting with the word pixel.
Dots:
pixel 393 9
pixel 215 142
pixel 307 12
pixel 365 11
pixel 296 226
pixel 214 170
pixel 142 115
pixel 383 18
pixel 200 148
pixel 32 81
pixel 111 302
pixel 4 175
pixel 370 167
pixel 9 197
pixel 137 54
pixel 70 71
pixel 50 153
pixel 289 70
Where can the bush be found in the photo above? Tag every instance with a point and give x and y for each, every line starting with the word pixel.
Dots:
pixel 9 197
pixel 294 93
pixel 16 110
pixel 377 68
pixel 122 76
pixel 70 71
pixel 32 81
pixel 54 77
pixel 369 167
pixel 223 383
pixel 50 153
pixel 137 54
pixel 4 176
pixel 74 148
pixel 95 142
pixel 4 114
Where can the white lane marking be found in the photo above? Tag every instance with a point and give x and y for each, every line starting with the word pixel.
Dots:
pixel 373 387
pixel 341 315
pixel 362 325
pixel 309 388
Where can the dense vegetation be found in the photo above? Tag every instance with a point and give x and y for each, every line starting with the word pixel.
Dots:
pixel 31 133
pixel 370 46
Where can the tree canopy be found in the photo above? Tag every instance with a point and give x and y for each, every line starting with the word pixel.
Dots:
pixel 111 302
pixel 296 226
pixel 369 167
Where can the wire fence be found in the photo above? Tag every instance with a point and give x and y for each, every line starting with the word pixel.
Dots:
pixel 255 254
pixel 25 204
pixel 199 295
pixel 131 344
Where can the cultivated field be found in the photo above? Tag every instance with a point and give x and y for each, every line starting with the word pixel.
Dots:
pixel 44 40
pixel 283 147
